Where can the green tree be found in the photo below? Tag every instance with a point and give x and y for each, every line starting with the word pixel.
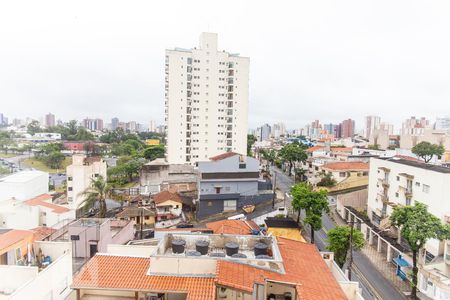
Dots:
pixel 269 155
pixel 339 242
pixel 6 141
pixel 426 150
pixel 251 139
pixel 96 194
pixel 292 153
pixel 315 203
pixel 153 152
pixel 374 147
pixel 34 127
pixel 54 159
pixel 417 226
pixel 299 173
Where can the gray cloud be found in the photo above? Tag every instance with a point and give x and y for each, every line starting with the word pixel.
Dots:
pixel 309 59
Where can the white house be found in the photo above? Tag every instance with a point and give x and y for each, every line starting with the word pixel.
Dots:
pixel 32 213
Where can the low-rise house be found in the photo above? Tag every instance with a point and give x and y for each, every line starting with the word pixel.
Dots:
pixel 181 272
pixel 228 182
pixel 340 171
pixel 80 175
pixel 139 215
pixel 31 213
pixel 169 206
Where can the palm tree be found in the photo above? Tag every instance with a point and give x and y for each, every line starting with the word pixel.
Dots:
pixel 97 193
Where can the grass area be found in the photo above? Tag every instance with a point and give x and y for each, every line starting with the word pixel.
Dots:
pixel 7 155
pixel 39 165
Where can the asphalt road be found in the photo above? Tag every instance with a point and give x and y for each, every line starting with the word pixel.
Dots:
pixel 372 282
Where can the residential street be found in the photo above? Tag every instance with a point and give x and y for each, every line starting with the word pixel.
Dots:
pixel 374 285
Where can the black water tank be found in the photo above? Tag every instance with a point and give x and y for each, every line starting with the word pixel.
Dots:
pixel 260 249
pixel 202 247
pixel 193 253
pixel 178 246
pixel 217 254
pixel 239 255
pixel 263 256
pixel 231 248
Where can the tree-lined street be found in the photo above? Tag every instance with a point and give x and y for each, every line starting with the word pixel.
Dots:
pixel 372 282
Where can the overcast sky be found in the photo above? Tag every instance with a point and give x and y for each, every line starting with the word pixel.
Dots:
pixel 326 60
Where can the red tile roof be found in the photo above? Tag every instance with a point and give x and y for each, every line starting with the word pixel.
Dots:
pixel 341 149
pixel 405 157
pixel 315 148
pixel 165 196
pixel 346 166
pixel 223 156
pixel 41 200
pixel 232 226
pixel 42 232
pixel 130 273
pixel 304 267
pixel 14 239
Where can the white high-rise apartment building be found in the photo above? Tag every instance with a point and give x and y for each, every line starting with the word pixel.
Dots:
pixel 206 102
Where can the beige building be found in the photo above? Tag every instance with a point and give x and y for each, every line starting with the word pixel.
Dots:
pixel 440 137
pixel 206 102
pixel 80 175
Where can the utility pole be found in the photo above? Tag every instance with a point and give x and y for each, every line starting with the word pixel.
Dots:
pixel 274 187
pixel 350 262
pixel 142 220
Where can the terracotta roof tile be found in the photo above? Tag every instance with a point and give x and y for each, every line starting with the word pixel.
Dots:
pixel 42 232
pixel 14 237
pixel 223 156
pixel 165 196
pixel 341 149
pixel 41 200
pixel 303 264
pixel 232 226
pixel 348 165
pixel 130 273
pixel 315 148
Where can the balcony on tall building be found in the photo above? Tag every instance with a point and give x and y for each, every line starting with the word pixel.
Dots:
pixel 230 104
pixel 230 88
pixel 230 72
pixel 383 198
pixel 230 96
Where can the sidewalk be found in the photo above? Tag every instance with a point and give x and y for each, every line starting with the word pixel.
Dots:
pixel 378 260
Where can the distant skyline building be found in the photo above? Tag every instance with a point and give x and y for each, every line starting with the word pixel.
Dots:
pixel 93 124
pixel 278 130
pixel 263 133
pixel 414 126
pixel 151 126
pixel 49 120
pixel 206 102
pixel 3 119
pixel 114 123
pixel 347 128
pixel 443 123
pixel 372 123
